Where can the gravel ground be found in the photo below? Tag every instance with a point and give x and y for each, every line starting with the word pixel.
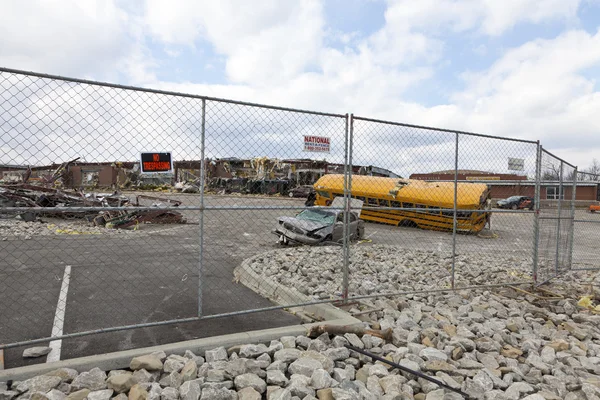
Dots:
pixel 14 227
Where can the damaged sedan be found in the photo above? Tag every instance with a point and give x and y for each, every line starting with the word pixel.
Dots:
pixel 318 225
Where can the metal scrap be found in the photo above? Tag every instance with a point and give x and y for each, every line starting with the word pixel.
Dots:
pixel 31 196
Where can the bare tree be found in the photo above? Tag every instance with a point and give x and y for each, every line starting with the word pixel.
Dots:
pixel 592 173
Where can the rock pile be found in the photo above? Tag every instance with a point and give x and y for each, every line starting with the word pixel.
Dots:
pixel 490 345
pixel 317 271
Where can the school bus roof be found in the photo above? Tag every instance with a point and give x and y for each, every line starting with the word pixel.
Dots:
pixel 438 194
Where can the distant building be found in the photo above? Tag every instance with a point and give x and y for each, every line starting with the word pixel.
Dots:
pixel 506 185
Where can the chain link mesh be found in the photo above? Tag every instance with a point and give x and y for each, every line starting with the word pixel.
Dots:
pixel 222 234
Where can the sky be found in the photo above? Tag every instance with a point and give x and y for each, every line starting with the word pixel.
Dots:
pixel 525 69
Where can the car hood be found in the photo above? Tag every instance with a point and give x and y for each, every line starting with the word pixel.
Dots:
pixel 306 225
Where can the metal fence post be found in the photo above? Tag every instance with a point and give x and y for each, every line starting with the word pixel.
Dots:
pixel 455 222
pixel 346 237
pixel 536 215
pixel 560 196
pixel 201 221
pixel 572 230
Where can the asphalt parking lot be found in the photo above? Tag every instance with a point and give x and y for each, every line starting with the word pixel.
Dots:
pixel 152 274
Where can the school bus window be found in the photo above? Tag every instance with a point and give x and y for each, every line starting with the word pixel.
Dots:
pixel 364 200
pixel 384 203
pixel 372 202
pixel 323 194
pixel 408 205
pixel 396 204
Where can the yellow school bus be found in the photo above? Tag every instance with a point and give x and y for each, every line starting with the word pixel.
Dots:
pixel 432 203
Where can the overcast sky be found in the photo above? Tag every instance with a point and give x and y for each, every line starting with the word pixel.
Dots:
pixel 516 68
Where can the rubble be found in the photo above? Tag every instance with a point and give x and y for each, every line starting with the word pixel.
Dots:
pixel 43 201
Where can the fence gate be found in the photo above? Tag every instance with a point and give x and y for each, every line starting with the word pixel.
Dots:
pixel 555 205
pixel 586 251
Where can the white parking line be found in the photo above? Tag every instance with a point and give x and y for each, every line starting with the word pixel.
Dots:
pixel 59 317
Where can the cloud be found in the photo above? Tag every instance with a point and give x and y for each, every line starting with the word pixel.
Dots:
pixel 265 42
pixel 73 38
pixel 489 17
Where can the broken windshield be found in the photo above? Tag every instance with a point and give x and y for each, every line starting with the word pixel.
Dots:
pixel 316 215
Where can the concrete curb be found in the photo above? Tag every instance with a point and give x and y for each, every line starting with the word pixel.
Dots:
pixel 121 359
pixel 283 295
pixel 274 291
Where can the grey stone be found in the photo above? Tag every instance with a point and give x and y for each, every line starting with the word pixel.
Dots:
pixel 287 355
pixel 354 340
pixel 280 394
pixel 173 380
pixel 218 354
pixel 288 342
pixel 95 379
pixel 279 366
pixel 299 385
pixel 34 352
pixel 548 355
pixel 432 354
pixel 56 394
pixel 337 354
pixel 105 394
pixel 517 389
pixel 325 361
pixel 218 394
pixel 341 394
pixel 484 380
pixel 304 366
pixel 276 377
pixel 250 380
pixel 320 379
pixel 190 390
pixel 169 393
pixel 171 365
pixel 217 375
pixel 253 350
pixel 41 383
pixel 143 376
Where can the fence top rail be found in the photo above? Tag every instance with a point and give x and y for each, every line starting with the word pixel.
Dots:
pixel 445 130
pixel 165 92
pixel 559 159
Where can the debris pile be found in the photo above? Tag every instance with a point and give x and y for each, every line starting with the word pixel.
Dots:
pixel 44 202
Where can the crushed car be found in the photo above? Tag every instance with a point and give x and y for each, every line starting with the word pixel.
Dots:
pixel 317 225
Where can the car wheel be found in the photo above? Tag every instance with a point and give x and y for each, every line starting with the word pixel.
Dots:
pixel 359 233
pixel 514 207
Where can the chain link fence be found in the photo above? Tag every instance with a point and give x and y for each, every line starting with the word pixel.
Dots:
pixel 585 251
pixel 92 245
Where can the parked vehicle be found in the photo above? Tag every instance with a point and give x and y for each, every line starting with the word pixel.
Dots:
pixel 301 191
pixel 594 208
pixel 516 203
pixel 410 202
pixel 317 225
